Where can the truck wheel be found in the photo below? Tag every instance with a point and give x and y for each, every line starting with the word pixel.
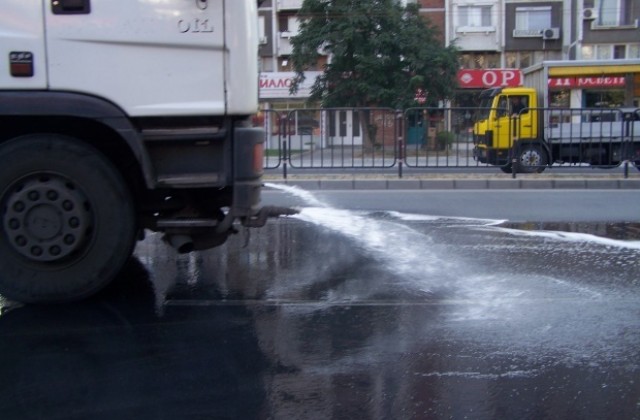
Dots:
pixel 67 217
pixel 531 159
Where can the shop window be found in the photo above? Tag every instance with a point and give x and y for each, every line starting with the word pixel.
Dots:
pixel 560 99
pixel 603 98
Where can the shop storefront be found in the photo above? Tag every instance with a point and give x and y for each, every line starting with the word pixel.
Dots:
pixel 277 104
pixel 275 90
pixel 592 84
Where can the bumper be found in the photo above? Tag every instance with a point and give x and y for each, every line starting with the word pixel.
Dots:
pixel 498 157
pixel 248 170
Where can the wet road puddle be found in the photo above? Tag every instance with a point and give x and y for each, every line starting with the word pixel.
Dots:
pixel 343 314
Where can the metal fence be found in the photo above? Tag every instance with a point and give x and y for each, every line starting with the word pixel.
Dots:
pixel 369 138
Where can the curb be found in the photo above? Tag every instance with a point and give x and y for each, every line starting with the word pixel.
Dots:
pixel 463 184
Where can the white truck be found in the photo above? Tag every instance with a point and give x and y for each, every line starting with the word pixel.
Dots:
pixel 520 125
pixel 118 116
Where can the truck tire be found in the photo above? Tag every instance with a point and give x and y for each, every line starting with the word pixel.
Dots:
pixel 532 159
pixel 68 221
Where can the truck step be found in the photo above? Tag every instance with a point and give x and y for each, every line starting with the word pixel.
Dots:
pixel 184 134
pixel 189 180
pixel 187 223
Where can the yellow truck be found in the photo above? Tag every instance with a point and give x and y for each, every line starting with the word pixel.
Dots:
pixel 515 129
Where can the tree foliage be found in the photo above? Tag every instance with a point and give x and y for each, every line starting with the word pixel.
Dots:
pixel 380 53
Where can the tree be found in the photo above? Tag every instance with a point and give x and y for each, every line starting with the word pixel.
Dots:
pixel 380 54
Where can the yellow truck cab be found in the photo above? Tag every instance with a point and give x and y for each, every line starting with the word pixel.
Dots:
pixel 520 129
pixel 509 117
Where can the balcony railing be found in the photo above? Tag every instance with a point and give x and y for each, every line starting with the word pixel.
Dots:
pixel 289 4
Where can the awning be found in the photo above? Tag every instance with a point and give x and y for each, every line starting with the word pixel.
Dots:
pixel 593 70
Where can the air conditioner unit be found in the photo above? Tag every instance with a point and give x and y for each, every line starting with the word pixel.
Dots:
pixel 589 14
pixel 551 33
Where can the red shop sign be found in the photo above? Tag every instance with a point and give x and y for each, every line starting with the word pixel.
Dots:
pixel 473 79
pixel 586 82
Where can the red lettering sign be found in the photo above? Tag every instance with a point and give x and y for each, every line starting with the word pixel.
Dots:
pixel 474 78
pixel 586 82
pixel 605 81
pixel 562 82
pixel 275 83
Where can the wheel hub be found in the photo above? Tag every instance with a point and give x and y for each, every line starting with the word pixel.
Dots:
pixel 46 218
pixel 530 158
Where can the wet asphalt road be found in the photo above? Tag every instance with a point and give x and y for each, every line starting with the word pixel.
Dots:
pixel 346 315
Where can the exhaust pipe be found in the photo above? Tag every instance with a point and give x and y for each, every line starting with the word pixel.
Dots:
pixel 181 243
pixel 212 237
pixel 260 219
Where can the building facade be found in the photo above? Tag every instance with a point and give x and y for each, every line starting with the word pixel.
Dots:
pixel 498 39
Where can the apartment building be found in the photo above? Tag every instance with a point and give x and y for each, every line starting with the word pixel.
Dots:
pixel 498 39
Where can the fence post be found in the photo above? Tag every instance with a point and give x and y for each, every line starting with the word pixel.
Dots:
pixel 400 141
pixel 284 157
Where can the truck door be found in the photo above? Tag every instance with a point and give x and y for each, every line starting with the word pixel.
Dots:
pixel 503 136
pixel 151 58
pixel 514 120
pixel 524 117
pixel 22 46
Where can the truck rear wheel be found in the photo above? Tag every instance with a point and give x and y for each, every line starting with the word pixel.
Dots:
pixel 531 159
pixel 67 216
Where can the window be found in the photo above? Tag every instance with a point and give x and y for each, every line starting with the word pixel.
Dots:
pixel 619 51
pixel 531 20
pixel 608 52
pixel 587 52
pixel 262 33
pixel 614 13
pixel 603 52
pixel 526 59
pixel 479 60
pixel 288 24
pixel 472 18
pixel 603 98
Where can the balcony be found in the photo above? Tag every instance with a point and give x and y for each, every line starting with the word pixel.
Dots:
pixel 284 44
pixel 289 4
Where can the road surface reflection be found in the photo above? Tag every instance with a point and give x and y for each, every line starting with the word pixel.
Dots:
pixel 335 314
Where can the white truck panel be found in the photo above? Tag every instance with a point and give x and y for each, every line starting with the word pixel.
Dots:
pixel 593 132
pixel 151 58
pixel 242 64
pixel 18 33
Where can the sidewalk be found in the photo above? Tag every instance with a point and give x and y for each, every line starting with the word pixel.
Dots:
pixel 460 181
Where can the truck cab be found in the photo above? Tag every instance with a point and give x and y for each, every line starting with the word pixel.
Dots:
pixel 119 117
pixel 506 117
